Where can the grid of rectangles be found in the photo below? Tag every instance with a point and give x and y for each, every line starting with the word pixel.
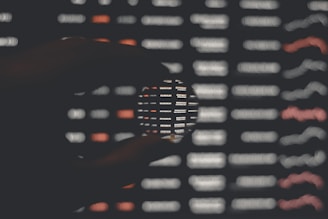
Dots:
pixel 259 70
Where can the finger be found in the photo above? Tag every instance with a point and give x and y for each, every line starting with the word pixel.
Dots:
pixel 79 64
pixel 104 176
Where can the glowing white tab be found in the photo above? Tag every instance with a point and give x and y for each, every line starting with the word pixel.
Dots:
pixel 259 136
pixel 252 158
pixel 75 137
pixel 76 113
pixel 212 114
pixel 318 5
pixel 256 90
pixel 207 205
pixel 123 135
pixel 210 68
pixel 211 91
pixel 259 4
pixel 8 41
pixel 180 118
pixel 181 103
pixel 179 125
pixel 254 114
pixel 210 21
pixel 181 96
pixel 78 2
pixel 261 21
pixel 162 44
pixel 125 90
pixel 262 45
pixel 99 114
pixel 206 160
pixel 160 183
pixel 253 204
pixel 133 2
pixel 126 19
pixel 181 88
pixel 6 17
pixel 166 3
pixel 173 160
pixel 104 2
pixel 210 44
pixel 156 20
pixel 209 137
pixel 259 67
pixel 161 206
pixel 256 181
pixel 216 3
pixel 71 18
pixel 103 90
pixel 165 95
pixel 173 67
pixel 165 88
pixel 207 183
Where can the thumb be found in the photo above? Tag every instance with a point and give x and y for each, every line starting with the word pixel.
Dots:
pixel 125 165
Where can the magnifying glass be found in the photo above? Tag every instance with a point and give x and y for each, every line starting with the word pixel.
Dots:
pixel 136 96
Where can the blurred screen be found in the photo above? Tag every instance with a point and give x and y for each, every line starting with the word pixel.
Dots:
pixel 259 71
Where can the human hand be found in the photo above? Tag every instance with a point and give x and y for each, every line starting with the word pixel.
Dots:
pixel 39 176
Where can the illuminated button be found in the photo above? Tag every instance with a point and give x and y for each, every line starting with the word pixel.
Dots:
pixel 207 182
pixel 170 161
pixel 133 2
pixel 6 17
pixel 103 90
pixel 8 41
pixel 125 90
pixel 104 2
pixel 129 186
pixel 76 113
pixel 99 137
pixel 161 206
pixel 203 137
pixel 125 206
pixel 166 3
pixel 206 160
pixel 99 207
pixel 122 136
pixel 126 19
pixel 162 44
pixel 125 114
pixel 99 114
pixel 211 91
pixel 104 40
pixel 78 2
pixel 210 45
pixel 253 203
pixel 210 21
pixel 71 18
pixel 100 19
pixel 209 205
pixel 173 67
pixel 75 137
pixel 216 3
pixel 155 20
pixel 160 183
pixel 130 42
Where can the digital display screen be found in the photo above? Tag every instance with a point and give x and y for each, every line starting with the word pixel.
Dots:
pixel 258 68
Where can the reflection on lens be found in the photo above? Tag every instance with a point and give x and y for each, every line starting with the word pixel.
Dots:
pixel 169 110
